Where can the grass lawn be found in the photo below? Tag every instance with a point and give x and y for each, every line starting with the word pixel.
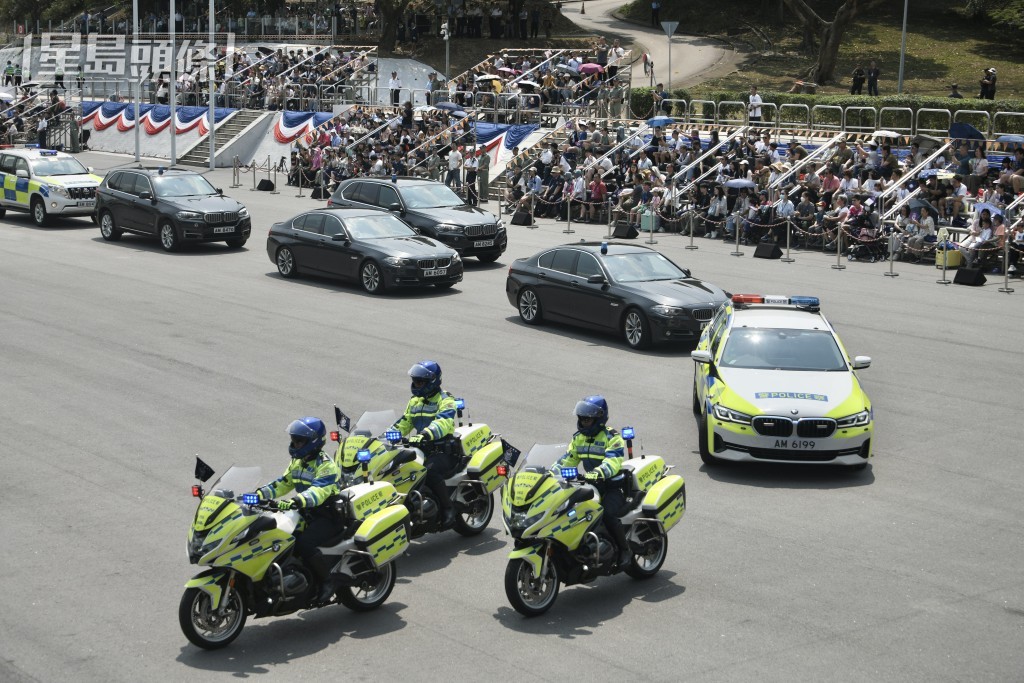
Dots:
pixel 942 46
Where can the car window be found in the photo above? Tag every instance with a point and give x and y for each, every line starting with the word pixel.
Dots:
pixel 332 226
pixel 587 265
pixel 545 260
pixel 717 330
pixel 367 193
pixel 127 183
pixel 7 163
pixel 387 196
pixel 314 223
pixel 20 165
pixel 298 223
pixel 112 181
pixel 142 184
pixel 350 191
pixel 564 260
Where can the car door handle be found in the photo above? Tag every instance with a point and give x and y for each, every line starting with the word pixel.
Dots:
pixel 574 284
pixel 542 275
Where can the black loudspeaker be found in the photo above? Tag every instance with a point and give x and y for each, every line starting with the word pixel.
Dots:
pixel 320 193
pixel 265 186
pixel 768 250
pixel 625 231
pixel 969 276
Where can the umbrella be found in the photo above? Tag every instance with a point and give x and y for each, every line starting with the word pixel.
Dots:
pixel 487 77
pixel 992 208
pixel 459 114
pixel 940 173
pixel 890 134
pixel 965 131
pixel 507 70
pixel 1010 138
pixel 740 183
pixel 30 84
pixel 6 97
pixel 591 69
pixel 449 106
pixel 567 69
pixel 424 107
pixel 918 203
pixel 660 121
pixel 926 142
pixel 532 84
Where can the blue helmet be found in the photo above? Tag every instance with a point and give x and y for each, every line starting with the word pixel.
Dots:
pixel 426 378
pixel 595 410
pixel 308 436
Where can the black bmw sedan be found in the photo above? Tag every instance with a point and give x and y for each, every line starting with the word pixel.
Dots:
pixel 433 209
pixel 627 288
pixel 372 247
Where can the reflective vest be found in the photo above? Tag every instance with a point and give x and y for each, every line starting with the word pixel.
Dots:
pixel 315 480
pixel 602 452
pixel 432 416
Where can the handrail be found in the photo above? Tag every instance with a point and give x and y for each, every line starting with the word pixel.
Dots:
pixel 430 140
pixel 693 183
pixel 912 173
pixel 898 205
pixel 815 156
pixel 372 132
pixel 739 132
pixel 558 53
pixel 619 146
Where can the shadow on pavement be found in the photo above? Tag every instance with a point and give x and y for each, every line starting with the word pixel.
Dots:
pixel 267 643
pixel 350 287
pixel 581 609
pixel 436 551
pixel 610 340
pixel 787 476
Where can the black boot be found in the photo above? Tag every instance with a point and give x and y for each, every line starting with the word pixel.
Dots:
pixel 440 491
pixel 625 552
pixel 322 572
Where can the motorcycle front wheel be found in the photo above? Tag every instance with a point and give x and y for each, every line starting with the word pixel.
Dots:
pixel 371 593
pixel 646 564
pixel 203 626
pixel 528 595
pixel 474 518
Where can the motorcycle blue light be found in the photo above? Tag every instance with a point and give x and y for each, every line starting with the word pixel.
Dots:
pixel 393 435
pixel 460 403
pixel 569 472
pixel 250 499
pixel 628 433
pixel 363 455
pixel 804 301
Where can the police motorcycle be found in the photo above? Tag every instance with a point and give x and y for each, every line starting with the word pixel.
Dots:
pixel 247 545
pixel 471 484
pixel 554 518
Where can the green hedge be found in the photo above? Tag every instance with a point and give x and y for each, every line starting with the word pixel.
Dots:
pixel 642 103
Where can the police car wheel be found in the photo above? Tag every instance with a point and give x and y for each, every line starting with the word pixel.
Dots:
pixel 702 443
pixel 3 211
pixel 168 237
pixel 108 229
pixel 39 212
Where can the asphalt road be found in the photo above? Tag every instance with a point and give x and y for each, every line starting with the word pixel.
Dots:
pixel 120 363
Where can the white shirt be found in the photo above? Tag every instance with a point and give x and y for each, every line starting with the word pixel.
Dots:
pixel 546 157
pixel 395 83
pixel 754 107
pixel 454 160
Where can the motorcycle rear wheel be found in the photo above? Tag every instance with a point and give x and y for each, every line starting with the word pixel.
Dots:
pixel 472 521
pixel 529 596
pixel 204 628
pixel 368 596
pixel 647 565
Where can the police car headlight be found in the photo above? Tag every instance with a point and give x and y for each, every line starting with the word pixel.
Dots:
pixel 729 415
pixel 61 191
pixel 189 216
pixel 858 420
pixel 669 311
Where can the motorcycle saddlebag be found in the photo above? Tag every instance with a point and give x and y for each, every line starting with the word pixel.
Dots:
pixel 472 438
pixel 644 471
pixel 483 466
pixel 366 499
pixel 666 501
pixel 384 534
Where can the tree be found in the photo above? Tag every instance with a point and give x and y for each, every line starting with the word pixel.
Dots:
pixel 1008 13
pixel 391 14
pixel 830 32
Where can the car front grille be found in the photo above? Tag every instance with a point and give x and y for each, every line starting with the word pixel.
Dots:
pixel 82 192
pixel 429 263
pixel 703 314
pixel 816 428
pixel 773 426
pixel 219 218
pixel 488 230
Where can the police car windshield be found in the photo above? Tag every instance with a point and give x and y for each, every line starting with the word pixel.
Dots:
pixel 642 267
pixel 782 349
pixel 66 166
pixel 430 197
pixel 377 227
pixel 182 186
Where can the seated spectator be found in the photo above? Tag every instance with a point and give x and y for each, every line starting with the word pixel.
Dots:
pixel 979 237
pixel 832 222
pixel 924 234
pixel 978 169
pixel 952 205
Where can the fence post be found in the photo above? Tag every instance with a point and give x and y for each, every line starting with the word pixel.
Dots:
pixel 274 181
pixel 1006 288
pixel 738 227
pixel 611 233
pixel 234 173
pixel 650 239
pixel 945 260
pixel 533 205
pixel 892 255
pixel 568 215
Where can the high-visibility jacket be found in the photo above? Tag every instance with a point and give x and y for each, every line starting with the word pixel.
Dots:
pixel 315 480
pixel 432 416
pixel 602 452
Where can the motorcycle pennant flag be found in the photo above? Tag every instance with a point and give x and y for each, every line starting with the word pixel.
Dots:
pixel 511 453
pixel 344 422
pixel 203 471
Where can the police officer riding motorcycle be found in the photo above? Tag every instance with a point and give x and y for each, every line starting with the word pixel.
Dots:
pixel 431 413
pixel 599 450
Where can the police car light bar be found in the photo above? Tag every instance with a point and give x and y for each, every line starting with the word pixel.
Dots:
pixel 250 499
pixel 363 456
pixel 776 300
pixel 47 153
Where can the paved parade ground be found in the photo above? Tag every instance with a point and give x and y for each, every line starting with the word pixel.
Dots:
pixel 120 363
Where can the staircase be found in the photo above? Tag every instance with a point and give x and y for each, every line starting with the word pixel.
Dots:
pixel 199 154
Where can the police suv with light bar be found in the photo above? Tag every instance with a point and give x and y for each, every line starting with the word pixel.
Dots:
pixel 773 383
pixel 45 183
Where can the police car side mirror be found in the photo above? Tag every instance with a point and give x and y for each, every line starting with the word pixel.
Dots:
pixel 220 191
pixel 702 356
pixel 90 169
pixel 861 362
pixel 21 173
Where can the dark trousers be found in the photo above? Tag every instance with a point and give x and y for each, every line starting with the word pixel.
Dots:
pixel 613 501
pixel 439 465
pixel 872 88
pixel 321 524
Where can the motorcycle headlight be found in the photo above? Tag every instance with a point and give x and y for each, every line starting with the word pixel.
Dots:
pixel 243 212
pixel 189 216
pixel 519 519
pixel 730 415
pixel 669 311
pixel 858 420
pixel 457 229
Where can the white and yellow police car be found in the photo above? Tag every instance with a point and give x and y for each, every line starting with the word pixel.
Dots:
pixel 46 183
pixel 773 383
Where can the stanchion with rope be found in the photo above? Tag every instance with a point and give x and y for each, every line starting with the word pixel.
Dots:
pixel 892 256
pixel 568 215
pixel 839 249
pixel 235 175
pixel 737 252
pixel 944 240
pixel 653 218
pixel 611 233
pixel 276 166
pixel 691 245
pixel 1006 288
pixel 252 168
pixel 300 182
pixel 533 212
pixel 789 240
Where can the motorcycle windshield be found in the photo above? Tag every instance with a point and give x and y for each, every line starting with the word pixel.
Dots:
pixel 543 456
pixel 238 480
pixel 375 422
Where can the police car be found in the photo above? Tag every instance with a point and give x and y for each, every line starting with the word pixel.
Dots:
pixel 773 383
pixel 46 183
